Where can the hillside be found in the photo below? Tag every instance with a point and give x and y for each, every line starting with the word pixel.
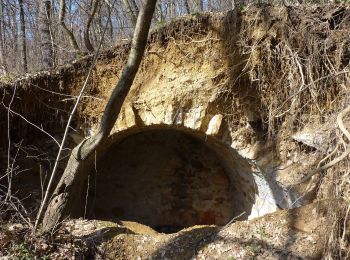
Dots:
pixel 212 154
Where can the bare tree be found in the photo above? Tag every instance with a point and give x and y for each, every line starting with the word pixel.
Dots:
pixel 187 7
pixel 61 17
pixel 56 35
pixel 133 10
pixel 22 37
pixel 44 28
pixel 68 196
pixel 2 60
pixel 159 12
pixel 14 26
pixel 88 25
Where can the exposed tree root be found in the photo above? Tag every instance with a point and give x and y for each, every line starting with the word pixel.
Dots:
pixel 338 159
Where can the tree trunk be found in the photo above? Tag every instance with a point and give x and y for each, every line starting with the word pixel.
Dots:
pixel 133 10
pixel 22 37
pixel 44 20
pixel 14 27
pixel 69 33
pixel 187 7
pixel 2 45
pixel 200 5
pixel 159 12
pixel 68 197
pixel 87 41
pixel 109 4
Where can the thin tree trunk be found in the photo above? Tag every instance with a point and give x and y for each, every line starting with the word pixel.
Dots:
pixel 2 32
pixel 159 12
pixel 187 7
pixel 135 8
pixel 133 12
pixel 111 31
pixel 170 9
pixel 109 4
pixel 68 198
pixel 44 29
pixel 36 52
pixel 14 26
pixel 87 41
pixel 22 37
pixel 69 33
pixel 200 5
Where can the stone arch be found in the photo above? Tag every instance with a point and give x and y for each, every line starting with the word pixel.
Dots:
pixel 170 178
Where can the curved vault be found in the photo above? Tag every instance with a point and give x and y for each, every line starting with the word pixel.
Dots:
pixel 170 179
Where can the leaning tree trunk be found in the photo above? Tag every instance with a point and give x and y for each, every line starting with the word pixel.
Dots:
pixel 87 41
pixel 45 34
pixel 67 199
pixel 69 33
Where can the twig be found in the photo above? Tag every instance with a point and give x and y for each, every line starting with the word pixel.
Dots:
pixel 87 196
pixel 9 172
pixel 233 219
pixel 34 125
pixel 64 95
pixel 72 98
pixel 12 170
pixel 27 220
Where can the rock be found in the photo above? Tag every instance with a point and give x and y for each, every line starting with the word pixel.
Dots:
pixel 315 138
pixel 214 125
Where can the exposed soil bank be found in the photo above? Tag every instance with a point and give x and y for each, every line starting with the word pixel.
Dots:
pixel 226 113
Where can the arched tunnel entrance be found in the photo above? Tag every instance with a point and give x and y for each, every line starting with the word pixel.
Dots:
pixel 169 180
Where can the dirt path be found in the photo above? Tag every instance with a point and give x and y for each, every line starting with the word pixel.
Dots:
pixel 286 234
